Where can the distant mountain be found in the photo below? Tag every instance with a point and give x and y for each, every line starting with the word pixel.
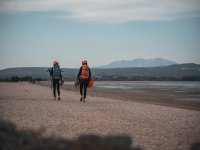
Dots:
pixel 188 71
pixel 176 70
pixel 139 63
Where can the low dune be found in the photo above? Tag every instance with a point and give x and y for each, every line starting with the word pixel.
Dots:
pixel 153 127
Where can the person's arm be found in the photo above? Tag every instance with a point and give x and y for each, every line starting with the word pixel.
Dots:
pixel 51 72
pixel 79 74
pixel 60 75
pixel 89 74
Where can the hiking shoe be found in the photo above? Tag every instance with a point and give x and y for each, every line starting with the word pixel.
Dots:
pixel 59 98
pixel 82 98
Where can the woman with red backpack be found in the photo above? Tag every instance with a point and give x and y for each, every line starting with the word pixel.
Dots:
pixel 84 76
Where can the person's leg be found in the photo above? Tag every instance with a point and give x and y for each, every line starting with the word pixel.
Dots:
pixel 58 89
pixel 81 89
pixel 85 88
pixel 54 89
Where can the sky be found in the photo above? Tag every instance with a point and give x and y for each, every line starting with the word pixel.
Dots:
pixel 34 33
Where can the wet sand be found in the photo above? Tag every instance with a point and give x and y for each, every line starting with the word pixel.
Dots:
pixel 168 97
pixel 153 127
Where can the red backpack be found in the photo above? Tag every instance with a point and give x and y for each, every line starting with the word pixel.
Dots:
pixel 85 72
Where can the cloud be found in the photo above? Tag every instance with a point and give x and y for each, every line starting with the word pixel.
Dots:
pixel 111 11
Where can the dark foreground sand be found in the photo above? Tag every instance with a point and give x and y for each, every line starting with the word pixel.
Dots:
pixel 151 126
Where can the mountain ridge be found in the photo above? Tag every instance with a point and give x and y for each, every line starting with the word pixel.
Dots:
pixel 139 62
pixel 176 70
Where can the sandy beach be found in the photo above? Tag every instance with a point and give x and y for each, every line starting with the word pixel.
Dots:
pixel 186 96
pixel 151 126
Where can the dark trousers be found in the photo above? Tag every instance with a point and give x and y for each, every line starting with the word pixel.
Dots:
pixel 83 87
pixel 56 85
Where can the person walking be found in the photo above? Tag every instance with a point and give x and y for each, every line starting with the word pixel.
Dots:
pixel 84 76
pixel 56 77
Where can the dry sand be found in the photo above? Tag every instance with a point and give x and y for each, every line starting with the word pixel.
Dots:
pixel 151 126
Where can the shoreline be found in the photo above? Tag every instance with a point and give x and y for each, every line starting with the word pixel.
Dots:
pixel 163 98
